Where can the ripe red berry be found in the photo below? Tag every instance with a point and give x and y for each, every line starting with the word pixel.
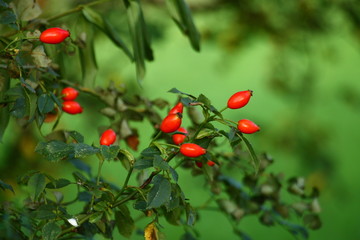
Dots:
pixel 179 138
pixel 54 35
pixel 108 137
pixel 199 164
pixel 239 99
pixel 192 150
pixel 69 94
pixel 177 109
pixel 210 163
pixel 171 123
pixel 247 126
pixel 71 107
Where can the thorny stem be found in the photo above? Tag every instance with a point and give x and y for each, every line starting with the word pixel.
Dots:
pixel 73 227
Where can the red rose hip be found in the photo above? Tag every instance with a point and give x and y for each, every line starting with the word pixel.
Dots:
pixel 247 126
pixel 171 123
pixel 179 138
pixel 71 107
pixel 54 35
pixel 239 99
pixel 177 109
pixel 192 150
pixel 108 137
pixel 69 94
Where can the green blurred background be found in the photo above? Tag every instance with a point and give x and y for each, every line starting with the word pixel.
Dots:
pixel 300 58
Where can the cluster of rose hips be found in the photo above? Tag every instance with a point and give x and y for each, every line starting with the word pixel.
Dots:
pixel 70 106
pixel 172 123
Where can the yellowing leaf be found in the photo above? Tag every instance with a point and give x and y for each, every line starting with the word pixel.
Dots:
pixel 151 232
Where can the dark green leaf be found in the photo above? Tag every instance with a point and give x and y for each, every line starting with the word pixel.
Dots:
pixel 19 108
pixel 51 231
pixel 190 215
pixel 58 183
pixel 159 193
pixel 203 99
pixel 55 100
pixel 124 222
pixel 143 163
pixel 174 174
pixel 5 186
pixel 87 57
pixel 54 150
pixel 79 177
pixel 159 163
pixel 7 17
pixel 76 136
pixel 37 185
pixel 82 150
pixel 140 205
pixel 46 212
pixel 105 27
pixel 255 161
pixel 45 103
pixel 173 217
pixel 181 14
pixel 174 90
pixel 109 152
pixel 95 217
pixel 139 36
pixel 150 152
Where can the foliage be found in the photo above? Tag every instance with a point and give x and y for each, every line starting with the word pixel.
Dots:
pixel 32 76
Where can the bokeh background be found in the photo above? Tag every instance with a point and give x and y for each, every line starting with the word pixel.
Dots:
pixel 301 59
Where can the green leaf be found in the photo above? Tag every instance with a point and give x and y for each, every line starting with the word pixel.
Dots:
pixel 190 215
pixel 19 108
pixel 139 36
pixel 312 221
pixel 109 152
pixel 159 163
pixel 181 14
pixel 96 19
pixel 58 183
pixel 51 231
pixel 37 185
pixel 54 150
pixel 174 174
pixel 173 217
pixel 143 163
pixel 87 57
pixel 45 103
pixel 255 161
pixel 150 152
pixel 160 193
pixel 124 222
pixel 95 217
pixel 82 150
pixel 56 100
pixel 126 158
pixel 175 90
pixel 5 186
pixel 7 17
pixel 76 136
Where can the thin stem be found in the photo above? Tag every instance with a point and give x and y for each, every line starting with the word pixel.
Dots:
pixel 101 162
pixel 125 183
pixel 74 10
pixel 155 138
pixel 223 109
pixel 73 227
